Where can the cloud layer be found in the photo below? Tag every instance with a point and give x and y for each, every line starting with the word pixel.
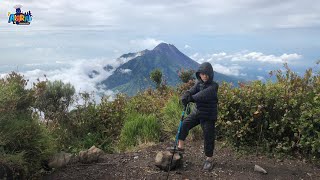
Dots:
pixel 207 15
pixel 73 72
pixel 246 64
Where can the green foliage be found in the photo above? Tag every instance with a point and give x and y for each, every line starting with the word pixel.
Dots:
pixel 112 115
pixel 82 125
pixel 156 76
pixel 24 142
pixel 91 124
pixel 186 75
pixel 13 95
pixel 281 117
pixel 20 133
pixel 171 115
pixel 149 101
pixel 139 128
pixel 54 99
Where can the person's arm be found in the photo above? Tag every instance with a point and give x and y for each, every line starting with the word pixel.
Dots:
pixel 187 96
pixel 193 90
pixel 207 94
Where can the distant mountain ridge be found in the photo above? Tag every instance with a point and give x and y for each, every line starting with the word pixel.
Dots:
pixel 133 74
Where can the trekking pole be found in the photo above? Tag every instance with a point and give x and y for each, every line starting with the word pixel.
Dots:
pixel 176 141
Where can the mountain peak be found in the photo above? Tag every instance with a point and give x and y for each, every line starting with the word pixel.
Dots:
pixel 165 57
pixel 164 47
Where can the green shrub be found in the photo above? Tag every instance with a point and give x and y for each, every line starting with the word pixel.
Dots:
pixel 286 114
pixel 92 124
pixel 24 142
pixel 20 133
pixel 186 75
pixel 13 95
pixel 112 115
pixel 54 99
pixel 81 130
pixel 156 77
pixel 149 102
pixel 137 129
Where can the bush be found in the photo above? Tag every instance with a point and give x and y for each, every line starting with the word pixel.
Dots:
pixel 112 115
pixel 91 124
pixel 21 134
pixel 13 95
pixel 81 129
pixel 281 117
pixel 149 102
pixel 54 99
pixel 24 142
pixel 156 77
pixel 138 129
pixel 186 75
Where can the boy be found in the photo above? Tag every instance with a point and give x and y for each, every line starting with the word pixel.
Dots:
pixel 204 94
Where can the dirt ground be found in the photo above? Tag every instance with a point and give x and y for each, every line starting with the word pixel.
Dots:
pixel 228 165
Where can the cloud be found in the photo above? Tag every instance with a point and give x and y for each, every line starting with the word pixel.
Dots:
pixel 249 57
pixel 148 43
pixel 58 26
pixel 143 15
pixel 260 78
pixel 258 56
pixel 233 70
pixel 194 56
pixel 251 62
pixel 73 72
pixel 125 71
pixel 187 46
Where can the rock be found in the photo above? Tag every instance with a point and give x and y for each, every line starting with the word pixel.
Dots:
pixel 59 160
pixel 163 159
pixel 91 155
pixel 259 169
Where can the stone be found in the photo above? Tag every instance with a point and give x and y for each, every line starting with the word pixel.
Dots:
pixel 259 169
pixel 59 160
pixel 91 155
pixel 163 159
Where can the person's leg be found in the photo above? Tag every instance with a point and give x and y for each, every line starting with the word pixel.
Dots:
pixel 208 127
pixel 188 123
pixel 181 144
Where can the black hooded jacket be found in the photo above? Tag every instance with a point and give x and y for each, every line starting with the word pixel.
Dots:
pixel 205 94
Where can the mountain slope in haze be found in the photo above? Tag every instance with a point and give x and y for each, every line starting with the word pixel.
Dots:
pixel 134 75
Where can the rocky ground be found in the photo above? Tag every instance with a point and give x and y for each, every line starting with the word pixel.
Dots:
pixel 228 165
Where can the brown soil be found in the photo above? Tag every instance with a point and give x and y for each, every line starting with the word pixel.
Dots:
pixel 228 165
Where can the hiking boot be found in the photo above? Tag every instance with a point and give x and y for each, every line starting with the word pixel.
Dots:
pixel 178 150
pixel 208 165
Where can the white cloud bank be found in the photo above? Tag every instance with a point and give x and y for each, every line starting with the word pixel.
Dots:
pixel 73 72
pixel 229 64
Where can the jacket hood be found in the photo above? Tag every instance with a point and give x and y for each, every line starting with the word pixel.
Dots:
pixel 205 68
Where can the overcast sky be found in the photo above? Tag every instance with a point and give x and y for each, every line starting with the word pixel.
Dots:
pixel 236 36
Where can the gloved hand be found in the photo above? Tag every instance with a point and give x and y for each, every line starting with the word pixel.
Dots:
pixel 186 98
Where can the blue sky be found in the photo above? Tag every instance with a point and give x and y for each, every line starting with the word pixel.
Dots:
pixel 245 38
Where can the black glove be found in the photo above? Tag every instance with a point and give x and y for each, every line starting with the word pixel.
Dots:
pixel 186 98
